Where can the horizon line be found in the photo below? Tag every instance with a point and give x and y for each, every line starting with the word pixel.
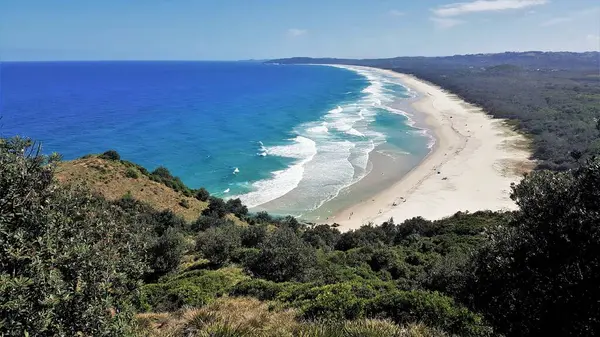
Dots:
pixel 287 58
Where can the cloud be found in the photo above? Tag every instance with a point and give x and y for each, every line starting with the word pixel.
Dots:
pixel 556 21
pixel 479 6
pixel 571 17
pixel 445 23
pixel 295 32
pixel 395 12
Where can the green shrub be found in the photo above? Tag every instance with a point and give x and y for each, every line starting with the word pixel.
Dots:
pixel 236 207
pixel 165 255
pixel 346 300
pixel 202 194
pixel 194 288
pixel 261 289
pixel 217 208
pixel 127 196
pixel 263 217
pixel 163 175
pixel 335 302
pixel 132 173
pixel 166 219
pixel 184 203
pixel 162 172
pixel 244 255
pixel 186 294
pixel 254 235
pixel 321 236
pixel 449 275
pixel 289 222
pixel 205 222
pixel 110 155
pixel 417 225
pixel 431 308
pixel 294 293
pixel 365 236
pixel 283 257
pixel 383 259
pixel 149 295
pixel 329 270
pixel 69 261
pixel 218 243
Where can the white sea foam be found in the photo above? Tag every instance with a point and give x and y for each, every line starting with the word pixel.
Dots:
pixel 226 191
pixel 282 182
pixel 337 110
pixel 411 122
pixel 263 150
pixel 432 139
pixel 328 173
pixel 302 148
pixel 355 132
pixel 320 129
pixel 331 153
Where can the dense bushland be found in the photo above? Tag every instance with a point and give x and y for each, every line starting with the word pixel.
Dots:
pixel 73 263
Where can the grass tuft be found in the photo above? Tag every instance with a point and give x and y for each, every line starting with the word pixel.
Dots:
pixel 245 317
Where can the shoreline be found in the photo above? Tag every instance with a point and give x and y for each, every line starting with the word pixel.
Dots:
pixel 470 167
pixel 324 190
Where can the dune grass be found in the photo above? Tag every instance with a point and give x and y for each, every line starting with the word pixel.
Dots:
pixel 249 317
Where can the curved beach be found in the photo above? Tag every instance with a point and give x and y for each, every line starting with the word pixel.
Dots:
pixel 470 168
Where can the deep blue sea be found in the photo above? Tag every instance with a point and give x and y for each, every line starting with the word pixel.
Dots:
pixel 239 129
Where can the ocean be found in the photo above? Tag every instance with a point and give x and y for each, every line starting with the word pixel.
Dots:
pixel 255 131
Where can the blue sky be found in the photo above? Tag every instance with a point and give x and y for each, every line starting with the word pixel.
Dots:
pixel 261 29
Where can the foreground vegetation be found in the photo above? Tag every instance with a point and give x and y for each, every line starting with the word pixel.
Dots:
pixel 75 263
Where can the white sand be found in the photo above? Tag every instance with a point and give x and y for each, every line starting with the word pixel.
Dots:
pixel 477 158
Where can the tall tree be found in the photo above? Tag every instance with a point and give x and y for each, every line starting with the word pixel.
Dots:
pixel 283 257
pixel 540 276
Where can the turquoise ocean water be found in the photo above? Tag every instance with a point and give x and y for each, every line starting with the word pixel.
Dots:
pixel 240 129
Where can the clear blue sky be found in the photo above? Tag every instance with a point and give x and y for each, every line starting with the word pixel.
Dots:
pixel 261 29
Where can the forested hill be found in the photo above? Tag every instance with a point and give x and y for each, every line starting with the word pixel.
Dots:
pixel 529 60
pixel 553 97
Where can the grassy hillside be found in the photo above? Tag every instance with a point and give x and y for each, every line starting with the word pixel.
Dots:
pixel 115 179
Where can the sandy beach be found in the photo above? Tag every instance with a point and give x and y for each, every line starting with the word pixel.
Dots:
pixel 470 168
